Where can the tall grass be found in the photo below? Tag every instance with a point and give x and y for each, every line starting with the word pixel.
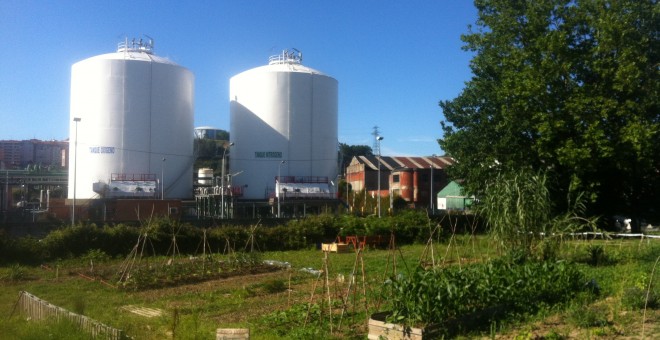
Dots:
pixel 521 215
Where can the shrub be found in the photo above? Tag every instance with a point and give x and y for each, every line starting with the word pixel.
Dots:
pixel 68 242
pixel 163 234
pixel 26 250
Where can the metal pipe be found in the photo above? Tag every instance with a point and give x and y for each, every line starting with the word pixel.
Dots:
pixel 162 179
pixel 279 186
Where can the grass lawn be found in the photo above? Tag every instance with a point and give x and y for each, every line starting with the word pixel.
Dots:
pixel 293 302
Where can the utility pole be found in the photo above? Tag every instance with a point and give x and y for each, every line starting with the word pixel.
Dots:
pixel 378 139
pixel 75 175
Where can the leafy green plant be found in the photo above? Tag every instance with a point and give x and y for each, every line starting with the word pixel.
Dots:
pixel 16 273
pixel 301 321
pixel 95 255
pixel 597 255
pixel 481 292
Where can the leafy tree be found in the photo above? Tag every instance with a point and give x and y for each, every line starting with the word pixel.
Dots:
pixel 208 152
pixel 565 86
pixel 347 152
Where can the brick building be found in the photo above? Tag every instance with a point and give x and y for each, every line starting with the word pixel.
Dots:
pixel 416 179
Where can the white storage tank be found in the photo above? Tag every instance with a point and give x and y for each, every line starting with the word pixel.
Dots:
pixel 282 111
pixel 131 124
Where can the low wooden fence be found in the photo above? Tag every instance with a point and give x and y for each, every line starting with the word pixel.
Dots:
pixel 38 309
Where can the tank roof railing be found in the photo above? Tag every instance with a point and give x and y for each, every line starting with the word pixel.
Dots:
pixel 303 179
pixel 136 46
pixel 292 56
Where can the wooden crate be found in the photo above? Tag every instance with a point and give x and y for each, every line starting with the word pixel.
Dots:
pixel 381 329
pixel 232 334
pixel 335 247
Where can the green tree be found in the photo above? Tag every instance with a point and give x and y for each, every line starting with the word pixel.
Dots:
pixel 565 86
pixel 208 152
pixel 347 152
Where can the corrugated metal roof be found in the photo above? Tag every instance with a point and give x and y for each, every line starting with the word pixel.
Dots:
pixel 396 163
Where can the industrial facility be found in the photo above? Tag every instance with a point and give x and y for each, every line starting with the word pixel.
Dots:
pixel 132 144
pixel 283 152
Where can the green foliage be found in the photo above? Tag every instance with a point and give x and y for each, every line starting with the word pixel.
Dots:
pixel 482 292
pixel 95 255
pixel 588 316
pixel 569 86
pixel 409 226
pixel 640 293
pixel 521 215
pixel 168 237
pixel 274 286
pixel 347 152
pixel 27 250
pixel 15 273
pixel 74 241
pixel 597 256
pixel 50 329
pixel 243 302
pixel 301 321
pixel 636 298
pixel 518 209
pixel 177 271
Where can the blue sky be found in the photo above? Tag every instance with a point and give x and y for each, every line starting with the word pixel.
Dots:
pixel 394 60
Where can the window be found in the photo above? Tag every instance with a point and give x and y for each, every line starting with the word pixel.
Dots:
pixel 395 178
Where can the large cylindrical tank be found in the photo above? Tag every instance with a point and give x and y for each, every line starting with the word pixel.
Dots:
pixel 282 111
pixel 134 113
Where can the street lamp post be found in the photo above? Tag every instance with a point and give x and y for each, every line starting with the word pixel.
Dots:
pixel 431 191
pixel 279 182
pixel 162 179
pixel 347 192
pixel 379 138
pixel 222 181
pixel 75 175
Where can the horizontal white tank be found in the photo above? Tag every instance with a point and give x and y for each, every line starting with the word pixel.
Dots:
pixel 283 111
pixel 205 176
pixel 135 114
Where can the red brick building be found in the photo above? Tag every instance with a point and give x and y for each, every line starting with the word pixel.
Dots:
pixel 416 179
